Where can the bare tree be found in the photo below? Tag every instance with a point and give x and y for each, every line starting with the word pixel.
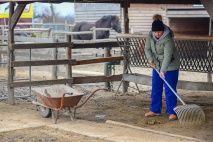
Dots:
pixel 53 12
pixel 49 14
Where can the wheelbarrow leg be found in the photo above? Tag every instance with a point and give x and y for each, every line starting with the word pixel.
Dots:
pixel 56 118
pixel 74 112
pixel 70 112
pixel 55 115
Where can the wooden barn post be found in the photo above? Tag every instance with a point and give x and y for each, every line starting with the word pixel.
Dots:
pixel 13 19
pixel 210 54
pixel 11 98
pixel 125 5
pixel 69 56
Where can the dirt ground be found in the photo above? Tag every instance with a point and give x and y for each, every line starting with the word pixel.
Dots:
pixel 44 134
pixel 105 105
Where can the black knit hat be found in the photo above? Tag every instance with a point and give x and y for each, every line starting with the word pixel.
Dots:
pixel 157 25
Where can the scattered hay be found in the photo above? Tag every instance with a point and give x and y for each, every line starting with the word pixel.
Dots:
pixel 153 122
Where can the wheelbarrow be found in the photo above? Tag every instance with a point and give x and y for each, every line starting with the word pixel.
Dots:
pixel 50 100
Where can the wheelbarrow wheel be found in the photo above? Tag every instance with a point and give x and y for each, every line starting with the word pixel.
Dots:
pixel 44 111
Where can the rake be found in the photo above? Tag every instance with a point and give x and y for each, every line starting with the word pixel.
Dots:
pixel 188 114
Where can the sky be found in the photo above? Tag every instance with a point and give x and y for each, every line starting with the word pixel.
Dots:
pixel 63 9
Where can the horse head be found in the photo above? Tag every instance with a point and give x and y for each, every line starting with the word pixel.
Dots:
pixel 115 24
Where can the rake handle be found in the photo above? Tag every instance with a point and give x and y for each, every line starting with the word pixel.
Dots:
pixel 170 87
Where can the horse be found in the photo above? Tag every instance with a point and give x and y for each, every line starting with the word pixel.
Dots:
pixel 109 21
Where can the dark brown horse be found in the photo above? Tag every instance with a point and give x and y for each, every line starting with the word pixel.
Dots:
pixel 109 21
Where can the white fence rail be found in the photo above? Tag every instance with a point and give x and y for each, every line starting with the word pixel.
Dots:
pixel 50 33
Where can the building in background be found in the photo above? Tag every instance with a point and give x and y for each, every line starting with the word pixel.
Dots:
pixel 182 19
pixel 26 16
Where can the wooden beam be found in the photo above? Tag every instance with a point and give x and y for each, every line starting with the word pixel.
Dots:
pixel 110 1
pixel 96 79
pixel 41 45
pixel 65 44
pixel 16 15
pixel 182 37
pixel 41 82
pixel 42 62
pixel 138 78
pixel 187 85
pixel 95 45
pixel 98 60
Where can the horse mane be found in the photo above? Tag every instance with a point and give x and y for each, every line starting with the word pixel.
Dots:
pixel 103 21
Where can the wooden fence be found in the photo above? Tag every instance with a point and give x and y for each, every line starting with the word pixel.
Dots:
pixel 50 33
pixel 69 62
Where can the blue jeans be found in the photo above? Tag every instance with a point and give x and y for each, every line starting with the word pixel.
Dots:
pixel 157 89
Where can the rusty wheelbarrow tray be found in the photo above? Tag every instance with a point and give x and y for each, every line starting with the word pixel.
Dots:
pixel 50 100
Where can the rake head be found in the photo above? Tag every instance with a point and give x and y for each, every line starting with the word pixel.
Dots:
pixel 190 114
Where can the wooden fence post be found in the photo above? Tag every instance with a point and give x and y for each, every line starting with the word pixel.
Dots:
pixel 125 5
pixel 2 41
pixel 50 35
pixel 55 57
pixel 2 33
pixel 11 98
pixel 94 33
pixel 69 56
pixel 106 70
pixel 210 54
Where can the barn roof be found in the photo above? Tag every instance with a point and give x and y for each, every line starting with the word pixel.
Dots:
pixel 110 1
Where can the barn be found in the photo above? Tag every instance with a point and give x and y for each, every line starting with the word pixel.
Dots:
pixel 129 43
pixel 125 14
pixel 183 19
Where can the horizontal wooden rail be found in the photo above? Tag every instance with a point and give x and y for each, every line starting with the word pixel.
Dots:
pixel 101 29
pixel 30 30
pixel 25 24
pixel 107 40
pixel 33 40
pixel 74 80
pixel 79 33
pixel 3 52
pixel 96 79
pixel 42 62
pixel 41 82
pixel 41 45
pixel 98 60
pixel 83 32
pixel 96 44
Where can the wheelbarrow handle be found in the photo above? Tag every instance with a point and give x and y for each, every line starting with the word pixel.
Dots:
pixel 69 93
pixel 90 95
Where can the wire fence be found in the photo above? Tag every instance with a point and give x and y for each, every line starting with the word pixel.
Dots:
pixel 195 55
